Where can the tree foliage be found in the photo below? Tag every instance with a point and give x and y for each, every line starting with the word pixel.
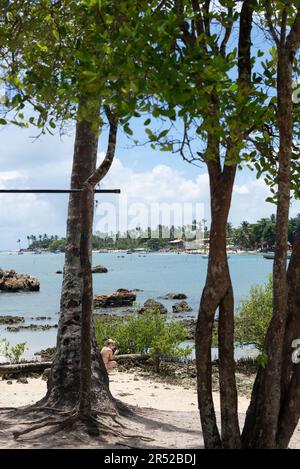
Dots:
pixel 149 333
pixel 254 316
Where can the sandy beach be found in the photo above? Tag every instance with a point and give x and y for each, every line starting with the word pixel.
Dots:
pixel 168 412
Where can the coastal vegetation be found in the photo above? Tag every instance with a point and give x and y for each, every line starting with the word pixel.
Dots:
pixel 257 235
pixel 12 352
pixel 149 333
pixel 254 315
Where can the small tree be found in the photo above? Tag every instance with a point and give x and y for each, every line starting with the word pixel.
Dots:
pixel 149 333
pixel 12 352
pixel 255 314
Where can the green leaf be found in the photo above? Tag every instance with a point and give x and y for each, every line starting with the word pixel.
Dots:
pixel 55 34
pixel 168 147
pixel 262 360
pixel 3 122
pixel 127 129
pixel 271 200
pixel 233 87
pixel 163 133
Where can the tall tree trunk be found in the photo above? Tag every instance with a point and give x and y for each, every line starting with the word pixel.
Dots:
pixel 64 381
pixel 290 394
pixel 87 200
pixel 86 207
pixel 260 431
pixel 216 294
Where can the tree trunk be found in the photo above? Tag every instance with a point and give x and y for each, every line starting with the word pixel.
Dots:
pixel 64 382
pixel 217 294
pixel 87 200
pixel 290 383
pixel 260 432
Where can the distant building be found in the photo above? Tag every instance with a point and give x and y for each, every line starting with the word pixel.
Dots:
pixel 177 243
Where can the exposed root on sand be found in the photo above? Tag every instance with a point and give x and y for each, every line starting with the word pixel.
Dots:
pixel 98 425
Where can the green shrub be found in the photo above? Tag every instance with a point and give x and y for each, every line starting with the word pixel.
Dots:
pixel 255 314
pixel 12 353
pixel 147 333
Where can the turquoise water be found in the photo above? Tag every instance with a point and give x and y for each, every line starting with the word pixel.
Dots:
pixel 155 274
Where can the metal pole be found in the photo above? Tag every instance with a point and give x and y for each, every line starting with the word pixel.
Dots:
pixel 55 191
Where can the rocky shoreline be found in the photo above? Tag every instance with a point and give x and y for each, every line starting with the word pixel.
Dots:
pixel 12 282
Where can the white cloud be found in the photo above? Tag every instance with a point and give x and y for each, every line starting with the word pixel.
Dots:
pixel 47 164
pixel 166 185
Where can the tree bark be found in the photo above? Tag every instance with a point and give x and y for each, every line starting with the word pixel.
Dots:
pixel 261 429
pixel 87 202
pixel 290 381
pixel 64 382
pixel 218 291
pixel 217 294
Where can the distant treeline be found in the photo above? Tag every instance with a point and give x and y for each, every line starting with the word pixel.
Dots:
pixel 245 236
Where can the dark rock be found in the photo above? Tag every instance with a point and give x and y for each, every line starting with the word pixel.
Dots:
pixel 153 305
pixel 9 382
pixel 22 380
pixel 174 296
pixel 42 318
pixel 47 354
pixel 121 297
pixel 59 272
pixel 190 325
pixel 31 327
pixel 181 307
pixel 99 269
pixel 10 281
pixel 11 319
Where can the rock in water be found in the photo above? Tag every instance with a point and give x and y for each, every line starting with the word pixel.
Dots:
pixel 121 297
pixel 174 296
pixel 99 269
pixel 153 305
pixel 11 319
pixel 10 281
pixel 181 307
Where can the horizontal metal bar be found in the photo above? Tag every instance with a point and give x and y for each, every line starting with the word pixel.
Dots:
pixel 56 191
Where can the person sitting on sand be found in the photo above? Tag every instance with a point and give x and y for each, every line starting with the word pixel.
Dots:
pixel 108 352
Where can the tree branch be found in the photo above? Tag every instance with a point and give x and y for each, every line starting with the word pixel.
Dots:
pixel 227 34
pixel 293 39
pixel 268 15
pixel 104 167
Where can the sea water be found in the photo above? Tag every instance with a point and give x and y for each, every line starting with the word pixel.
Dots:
pixel 153 274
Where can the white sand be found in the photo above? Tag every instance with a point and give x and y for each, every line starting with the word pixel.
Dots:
pixel 172 415
pixel 128 387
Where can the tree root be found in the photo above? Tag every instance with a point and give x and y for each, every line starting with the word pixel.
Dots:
pixel 93 425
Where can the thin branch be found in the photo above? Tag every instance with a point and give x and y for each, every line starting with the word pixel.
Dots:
pixel 227 34
pixel 104 167
pixel 206 17
pixel 293 39
pixel 268 14
pixel 283 26
pixel 199 20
